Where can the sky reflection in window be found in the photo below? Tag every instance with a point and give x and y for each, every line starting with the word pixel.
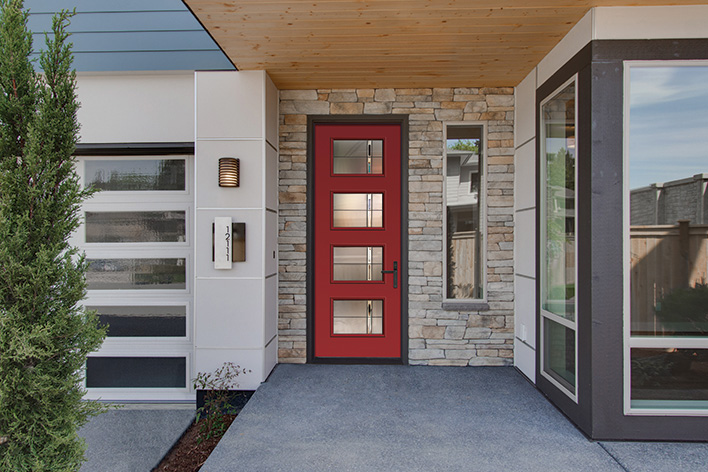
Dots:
pixel 669 123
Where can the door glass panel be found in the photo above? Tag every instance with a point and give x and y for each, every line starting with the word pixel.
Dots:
pixel 559 353
pixel 357 316
pixel 136 372
pixel 135 226
pixel 358 210
pixel 136 174
pixel 139 321
pixel 359 156
pixel 358 263
pixel 136 274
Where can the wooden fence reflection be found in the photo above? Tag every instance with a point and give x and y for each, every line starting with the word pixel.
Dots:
pixel 664 258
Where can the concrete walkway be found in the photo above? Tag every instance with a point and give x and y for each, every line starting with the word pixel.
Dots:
pixel 133 438
pixel 406 418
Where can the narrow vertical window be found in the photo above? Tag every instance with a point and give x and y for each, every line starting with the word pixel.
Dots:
pixel 558 237
pixel 464 213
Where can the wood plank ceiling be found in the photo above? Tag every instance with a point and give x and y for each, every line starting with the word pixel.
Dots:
pixel 393 43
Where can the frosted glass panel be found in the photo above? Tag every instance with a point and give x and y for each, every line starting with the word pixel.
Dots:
pixel 358 210
pixel 157 321
pixel 358 263
pixel 136 372
pixel 136 274
pixel 135 174
pixel 135 226
pixel 358 156
pixel 358 316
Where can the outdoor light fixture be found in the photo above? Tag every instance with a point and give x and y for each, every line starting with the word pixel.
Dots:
pixel 228 172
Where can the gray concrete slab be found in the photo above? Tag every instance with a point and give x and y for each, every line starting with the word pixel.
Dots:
pixel 403 418
pixel 133 438
pixel 659 456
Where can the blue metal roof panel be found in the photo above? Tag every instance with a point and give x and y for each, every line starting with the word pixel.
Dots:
pixel 140 35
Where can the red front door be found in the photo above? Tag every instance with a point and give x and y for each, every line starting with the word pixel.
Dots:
pixel 357 241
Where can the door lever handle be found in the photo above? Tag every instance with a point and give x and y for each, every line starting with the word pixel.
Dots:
pixel 394 272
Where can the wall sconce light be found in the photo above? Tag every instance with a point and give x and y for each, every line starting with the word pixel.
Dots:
pixel 229 172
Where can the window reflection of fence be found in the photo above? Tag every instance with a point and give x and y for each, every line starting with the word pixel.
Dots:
pixel 464 279
pixel 664 258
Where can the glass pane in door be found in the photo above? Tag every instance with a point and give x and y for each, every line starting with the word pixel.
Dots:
pixel 358 263
pixel 357 156
pixel 357 316
pixel 358 210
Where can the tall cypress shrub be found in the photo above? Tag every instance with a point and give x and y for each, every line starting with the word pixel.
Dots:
pixel 45 335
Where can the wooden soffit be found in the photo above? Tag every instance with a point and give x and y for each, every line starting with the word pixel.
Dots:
pixel 393 43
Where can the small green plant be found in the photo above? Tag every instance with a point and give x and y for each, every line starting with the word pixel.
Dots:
pixel 217 398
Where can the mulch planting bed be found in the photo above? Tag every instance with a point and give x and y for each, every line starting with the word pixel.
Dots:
pixel 188 454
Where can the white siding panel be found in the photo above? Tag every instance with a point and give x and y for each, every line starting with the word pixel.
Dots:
pixel 525 360
pixel 525 181
pixel 135 108
pixel 230 104
pixel 574 41
pixel 525 246
pixel 659 22
pixel 229 314
pixel 525 109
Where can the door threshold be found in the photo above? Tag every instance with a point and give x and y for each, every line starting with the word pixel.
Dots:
pixel 357 360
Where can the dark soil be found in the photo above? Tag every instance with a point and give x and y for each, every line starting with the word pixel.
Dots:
pixel 189 454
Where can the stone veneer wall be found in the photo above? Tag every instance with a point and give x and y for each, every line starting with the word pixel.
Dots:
pixel 436 336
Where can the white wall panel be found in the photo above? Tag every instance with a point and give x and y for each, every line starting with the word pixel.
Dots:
pixel 230 104
pixel 229 314
pixel 271 243
pixel 657 22
pixel 272 120
pixel 130 108
pixel 525 109
pixel 525 173
pixel 209 359
pixel 574 41
pixel 271 357
pixel 525 360
pixel 525 243
pixel 271 178
pixel 249 194
pixel 525 303
pixel 252 266
pixel 271 308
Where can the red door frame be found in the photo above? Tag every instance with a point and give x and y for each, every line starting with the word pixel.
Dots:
pixel 402 122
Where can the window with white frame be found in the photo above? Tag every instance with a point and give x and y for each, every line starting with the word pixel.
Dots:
pixel 558 243
pixel 666 237
pixel 464 212
pixel 137 236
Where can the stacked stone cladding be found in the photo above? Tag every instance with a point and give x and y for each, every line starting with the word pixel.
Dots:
pixel 436 336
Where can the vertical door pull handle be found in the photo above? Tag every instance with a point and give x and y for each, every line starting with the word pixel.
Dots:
pixel 394 272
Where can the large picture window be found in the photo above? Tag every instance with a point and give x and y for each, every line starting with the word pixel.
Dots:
pixel 558 238
pixel 464 213
pixel 666 238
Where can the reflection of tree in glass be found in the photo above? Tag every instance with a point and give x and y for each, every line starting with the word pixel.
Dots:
pixel 560 227
pixel 471 145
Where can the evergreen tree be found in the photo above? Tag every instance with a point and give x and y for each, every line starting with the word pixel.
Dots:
pixel 45 335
